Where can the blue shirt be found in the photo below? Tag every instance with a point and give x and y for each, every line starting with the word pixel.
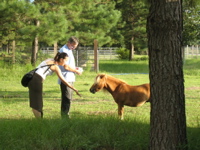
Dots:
pixel 68 75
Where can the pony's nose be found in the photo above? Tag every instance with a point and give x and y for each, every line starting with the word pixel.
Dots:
pixel 92 91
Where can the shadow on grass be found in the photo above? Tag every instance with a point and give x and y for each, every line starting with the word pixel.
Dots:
pixel 81 133
pixel 86 132
pixel 13 94
pixel 8 97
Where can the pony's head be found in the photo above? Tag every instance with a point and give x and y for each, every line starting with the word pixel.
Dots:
pixel 99 83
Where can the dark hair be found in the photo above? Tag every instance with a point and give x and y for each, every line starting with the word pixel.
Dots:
pixel 59 56
pixel 73 39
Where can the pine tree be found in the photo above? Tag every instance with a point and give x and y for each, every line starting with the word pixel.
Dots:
pixel 96 19
pixel 48 25
pixel 191 23
pixel 134 15
pixel 10 14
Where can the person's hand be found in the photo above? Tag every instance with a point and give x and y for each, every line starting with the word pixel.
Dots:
pixel 78 72
pixel 78 93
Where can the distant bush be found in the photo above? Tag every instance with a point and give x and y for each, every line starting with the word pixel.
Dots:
pixel 122 53
pixel 141 58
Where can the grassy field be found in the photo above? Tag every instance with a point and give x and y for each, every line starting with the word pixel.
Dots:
pixel 94 124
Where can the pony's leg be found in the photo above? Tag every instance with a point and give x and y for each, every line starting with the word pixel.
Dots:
pixel 121 111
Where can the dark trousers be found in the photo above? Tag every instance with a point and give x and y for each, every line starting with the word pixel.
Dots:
pixel 66 97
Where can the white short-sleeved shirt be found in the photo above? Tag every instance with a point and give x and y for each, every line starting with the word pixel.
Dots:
pixel 44 71
pixel 68 75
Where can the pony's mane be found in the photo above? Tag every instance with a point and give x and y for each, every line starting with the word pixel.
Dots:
pixel 109 76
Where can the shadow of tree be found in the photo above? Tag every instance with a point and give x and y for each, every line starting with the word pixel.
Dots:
pixel 83 132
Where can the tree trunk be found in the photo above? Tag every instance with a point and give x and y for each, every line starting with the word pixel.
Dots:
pixel 168 119
pixel 7 47
pixel 131 55
pixel 34 51
pixel 55 48
pixel 35 48
pixel 13 51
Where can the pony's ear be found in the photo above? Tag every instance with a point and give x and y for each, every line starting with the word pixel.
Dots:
pixel 102 75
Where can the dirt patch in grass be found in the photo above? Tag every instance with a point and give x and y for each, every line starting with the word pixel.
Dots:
pixel 193 88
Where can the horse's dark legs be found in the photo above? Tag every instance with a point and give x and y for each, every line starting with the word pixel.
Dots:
pixel 121 111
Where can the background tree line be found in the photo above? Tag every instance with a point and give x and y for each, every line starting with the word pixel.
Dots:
pixel 120 23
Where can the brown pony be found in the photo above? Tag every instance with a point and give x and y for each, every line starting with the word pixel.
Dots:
pixel 122 93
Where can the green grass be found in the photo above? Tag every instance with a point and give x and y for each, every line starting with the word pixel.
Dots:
pixel 94 123
pixel 123 66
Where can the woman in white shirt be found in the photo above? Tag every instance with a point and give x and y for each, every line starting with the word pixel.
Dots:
pixel 47 67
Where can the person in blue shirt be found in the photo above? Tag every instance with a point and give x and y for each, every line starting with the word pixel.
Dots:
pixel 68 70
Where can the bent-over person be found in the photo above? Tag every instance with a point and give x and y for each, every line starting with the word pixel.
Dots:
pixel 36 84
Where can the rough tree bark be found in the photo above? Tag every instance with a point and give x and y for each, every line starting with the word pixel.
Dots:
pixel 168 119
pixel 34 51
pixel 35 48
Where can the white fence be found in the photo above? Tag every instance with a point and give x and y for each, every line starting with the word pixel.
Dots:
pixel 85 55
pixel 110 52
pixel 192 51
pixel 104 52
